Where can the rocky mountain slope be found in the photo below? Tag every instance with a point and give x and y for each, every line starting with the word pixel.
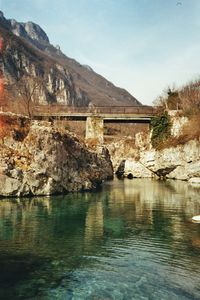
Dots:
pixel 27 50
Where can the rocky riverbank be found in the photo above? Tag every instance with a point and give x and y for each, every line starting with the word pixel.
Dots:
pixel 49 161
pixel 138 159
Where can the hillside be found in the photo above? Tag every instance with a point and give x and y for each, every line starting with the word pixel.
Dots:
pixel 27 51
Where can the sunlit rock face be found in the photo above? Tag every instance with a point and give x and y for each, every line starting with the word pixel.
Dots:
pixel 177 125
pixel 138 159
pixel 28 30
pixel 181 162
pixel 50 161
pixel 56 83
pixel 134 169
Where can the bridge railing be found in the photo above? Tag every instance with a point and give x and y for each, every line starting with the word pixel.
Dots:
pixel 62 109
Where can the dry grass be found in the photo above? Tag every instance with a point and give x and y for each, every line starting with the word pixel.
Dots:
pixel 192 128
pixel 186 98
pixel 14 126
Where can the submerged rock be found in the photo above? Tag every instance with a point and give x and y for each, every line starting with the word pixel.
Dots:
pixel 49 161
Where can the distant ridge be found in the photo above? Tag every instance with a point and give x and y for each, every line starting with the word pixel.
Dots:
pixel 28 51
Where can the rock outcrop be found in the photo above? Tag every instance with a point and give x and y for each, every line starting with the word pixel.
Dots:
pixel 140 159
pixel 49 161
pixel 180 162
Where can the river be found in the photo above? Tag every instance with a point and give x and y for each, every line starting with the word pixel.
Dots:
pixel 132 239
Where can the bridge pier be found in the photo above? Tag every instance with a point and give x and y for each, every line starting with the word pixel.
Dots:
pixel 94 130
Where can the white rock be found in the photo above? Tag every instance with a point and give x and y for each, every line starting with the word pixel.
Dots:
pixel 196 219
pixel 136 169
pixel 9 186
pixel 195 180
pixel 177 125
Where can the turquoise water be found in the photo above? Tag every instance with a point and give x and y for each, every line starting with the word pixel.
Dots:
pixel 133 239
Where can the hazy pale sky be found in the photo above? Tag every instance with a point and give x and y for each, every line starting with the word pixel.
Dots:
pixel 140 45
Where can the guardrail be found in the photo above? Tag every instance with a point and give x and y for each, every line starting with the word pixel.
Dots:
pixel 62 109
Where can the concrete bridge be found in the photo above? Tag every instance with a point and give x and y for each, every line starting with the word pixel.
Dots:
pixel 95 117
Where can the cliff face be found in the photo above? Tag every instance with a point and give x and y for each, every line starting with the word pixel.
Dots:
pixel 30 31
pixel 49 161
pixel 180 162
pixel 139 159
pixel 27 50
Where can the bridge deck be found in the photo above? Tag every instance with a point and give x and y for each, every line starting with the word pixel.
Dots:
pixel 115 113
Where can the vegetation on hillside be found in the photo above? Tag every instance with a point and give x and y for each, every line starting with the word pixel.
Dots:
pixel 187 101
pixel 160 126
pixel 186 98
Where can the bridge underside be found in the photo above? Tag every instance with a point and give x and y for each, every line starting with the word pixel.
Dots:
pixel 105 119
pixel 141 121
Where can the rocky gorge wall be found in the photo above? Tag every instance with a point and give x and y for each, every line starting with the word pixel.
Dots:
pixel 49 161
pixel 138 159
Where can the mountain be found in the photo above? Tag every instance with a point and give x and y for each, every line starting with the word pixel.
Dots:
pixel 27 50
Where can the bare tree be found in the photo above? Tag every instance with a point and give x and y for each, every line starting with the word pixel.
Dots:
pixel 190 96
pixel 169 100
pixel 27 88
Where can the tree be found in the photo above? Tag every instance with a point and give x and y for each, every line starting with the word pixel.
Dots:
pixel 190 96
pixel 27 88
pixel 173 99
pixel 169 100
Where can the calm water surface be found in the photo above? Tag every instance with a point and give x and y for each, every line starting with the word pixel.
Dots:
pixel 134 239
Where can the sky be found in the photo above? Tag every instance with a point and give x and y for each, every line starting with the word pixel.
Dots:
pixel 143 46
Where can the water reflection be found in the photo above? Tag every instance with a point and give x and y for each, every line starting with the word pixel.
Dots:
pixel 94 221
pixel 128 228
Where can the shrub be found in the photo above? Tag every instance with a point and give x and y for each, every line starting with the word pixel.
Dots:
pixel 160 126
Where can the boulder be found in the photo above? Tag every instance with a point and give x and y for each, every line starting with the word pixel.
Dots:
pixel 9 186
pixel 134 169
pixel 195 181
pixel 49 161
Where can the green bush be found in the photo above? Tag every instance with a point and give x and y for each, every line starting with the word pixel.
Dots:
pixel 160 126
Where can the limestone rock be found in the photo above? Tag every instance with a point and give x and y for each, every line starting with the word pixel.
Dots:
pixel 177 125
pixel 195 180
pixel 186 171
pixel 122 150
pixel 48 161
pixel 136 170
pixel 181 162
pixel 9 186
pixel 143 141
pixel 139 159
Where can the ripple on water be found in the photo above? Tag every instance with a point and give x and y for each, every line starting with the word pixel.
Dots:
pixel 132 240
